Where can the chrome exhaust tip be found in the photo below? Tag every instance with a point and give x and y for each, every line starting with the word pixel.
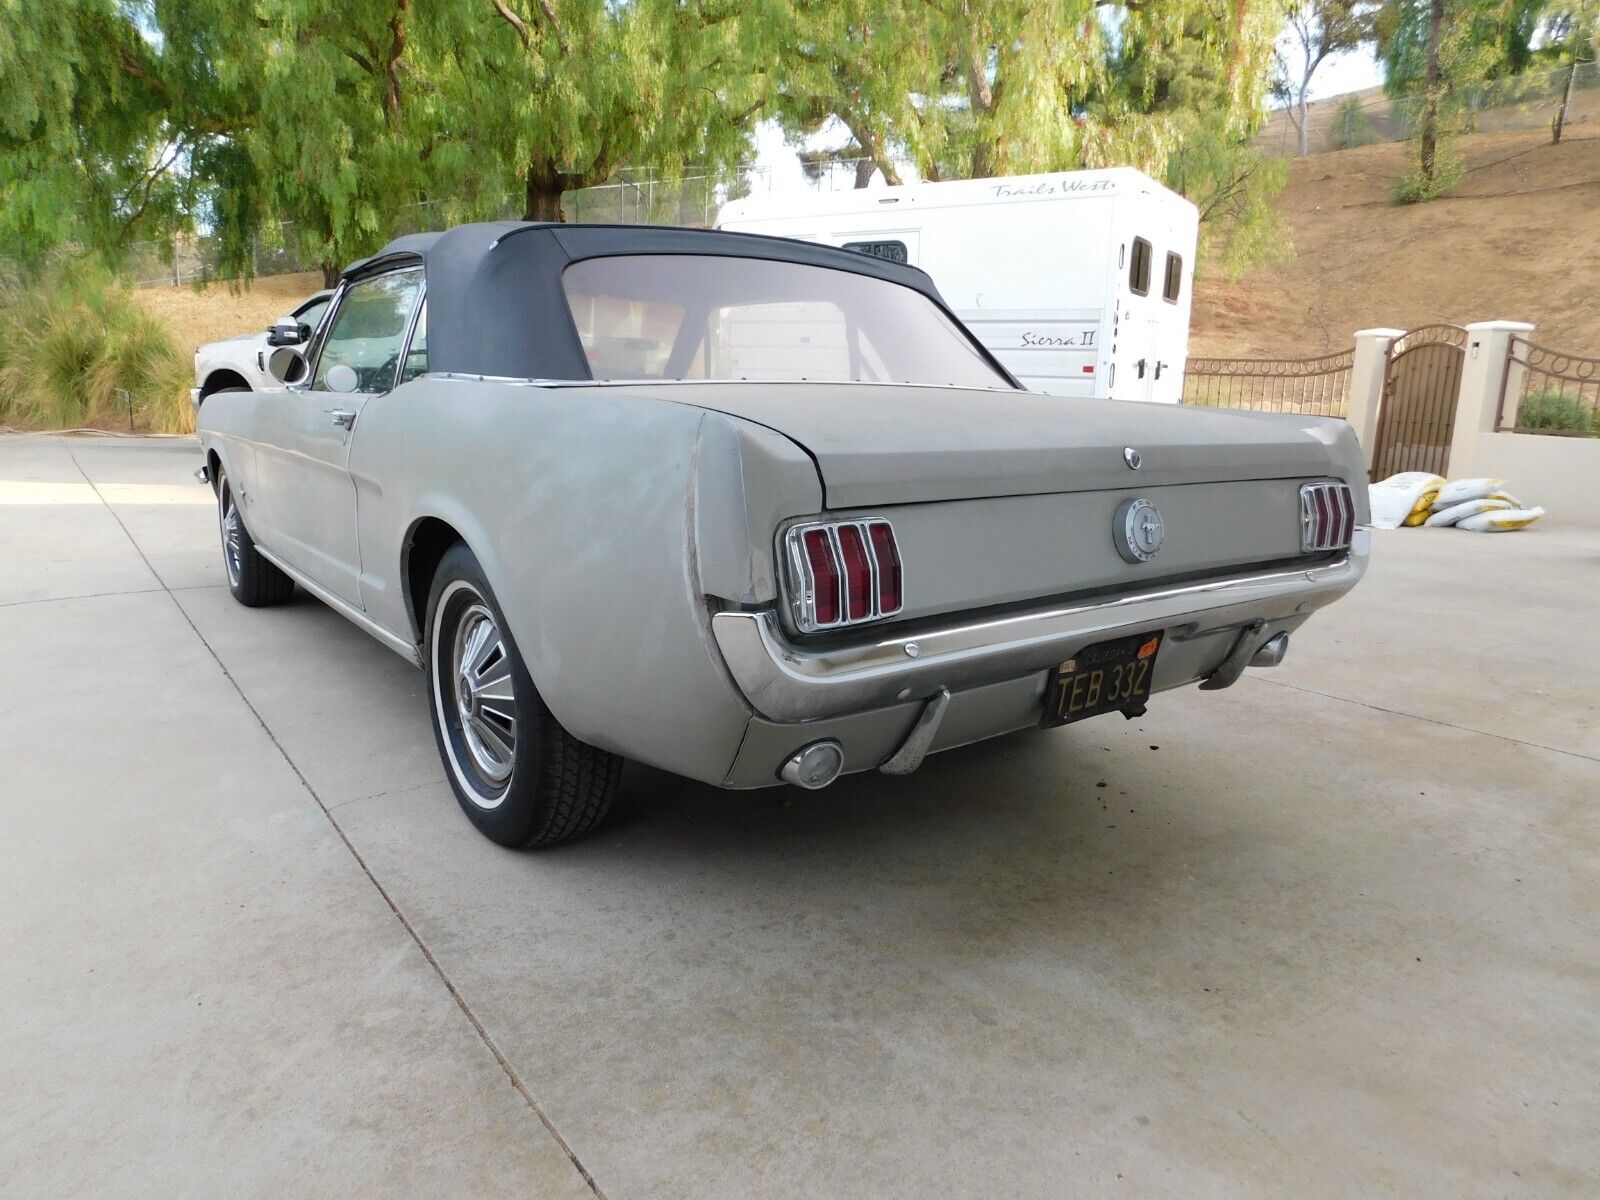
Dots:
pixel 814 766
pixel 1271 654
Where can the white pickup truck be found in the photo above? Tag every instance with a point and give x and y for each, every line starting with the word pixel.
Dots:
pixel 239 364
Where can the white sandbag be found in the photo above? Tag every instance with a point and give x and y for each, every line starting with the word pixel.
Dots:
pixel 1467 508
pixel 1508 498
pixel 1501 520
pixel 1458 490
pixel 1397 498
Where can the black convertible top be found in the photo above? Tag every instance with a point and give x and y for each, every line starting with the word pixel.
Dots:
pixel 495 303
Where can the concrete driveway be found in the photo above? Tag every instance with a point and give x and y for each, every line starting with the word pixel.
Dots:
pixel 1335 932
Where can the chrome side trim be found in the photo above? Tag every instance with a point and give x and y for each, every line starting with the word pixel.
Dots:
pixel 409 651
pixel 545 382
pixel 786 682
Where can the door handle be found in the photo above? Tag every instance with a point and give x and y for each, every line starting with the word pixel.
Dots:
pixel 1159 365
pixel 342 417
pixel 1141 368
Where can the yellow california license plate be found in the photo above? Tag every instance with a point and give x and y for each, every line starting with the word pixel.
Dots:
pixel 1105 677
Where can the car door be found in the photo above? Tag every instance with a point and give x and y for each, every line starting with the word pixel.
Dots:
pixel 305 496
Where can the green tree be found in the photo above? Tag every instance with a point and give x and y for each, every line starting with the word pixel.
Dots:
pixel 964 90
pixel 539 96
pixel 88 154
pixel 1315 31
pixel 859 62
pixel 1434 52
pixel 333 139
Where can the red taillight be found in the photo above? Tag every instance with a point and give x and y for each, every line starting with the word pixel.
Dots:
pixel 843 573
pixel 857 573
pixel 887 557
pixel 1327 516
pixel 824 576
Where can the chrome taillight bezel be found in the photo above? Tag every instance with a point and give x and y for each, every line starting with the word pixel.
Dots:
pixel 800 581
pixel 1341 527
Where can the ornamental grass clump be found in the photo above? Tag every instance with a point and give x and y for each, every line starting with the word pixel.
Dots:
pixel 80 352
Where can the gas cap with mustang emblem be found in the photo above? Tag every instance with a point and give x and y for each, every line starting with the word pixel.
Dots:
pixel 1137 530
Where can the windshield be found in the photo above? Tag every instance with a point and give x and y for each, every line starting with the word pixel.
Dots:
pixel 699 316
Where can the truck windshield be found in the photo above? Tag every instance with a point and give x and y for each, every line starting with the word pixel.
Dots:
pixel 700 316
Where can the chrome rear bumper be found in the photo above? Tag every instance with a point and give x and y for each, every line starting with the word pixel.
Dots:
pixel 786 682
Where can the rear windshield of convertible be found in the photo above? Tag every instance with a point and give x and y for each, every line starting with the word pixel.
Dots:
pixel 701 316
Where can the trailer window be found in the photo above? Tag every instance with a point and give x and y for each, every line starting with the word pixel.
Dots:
pixel 1174 280
pixel 890 250
pixel 1139 269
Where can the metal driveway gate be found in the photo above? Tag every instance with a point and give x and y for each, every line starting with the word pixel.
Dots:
pixel 1418 411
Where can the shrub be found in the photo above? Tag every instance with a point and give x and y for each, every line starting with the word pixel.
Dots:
pixel 78 350
pixel 1557 410
pixel 1414 188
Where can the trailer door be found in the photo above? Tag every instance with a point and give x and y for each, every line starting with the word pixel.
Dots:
pixel 1138 325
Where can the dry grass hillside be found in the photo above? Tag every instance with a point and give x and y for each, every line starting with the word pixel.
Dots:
pixel 200 315
pixel 1518 238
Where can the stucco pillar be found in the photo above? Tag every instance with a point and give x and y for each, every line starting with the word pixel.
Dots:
pixel 1483 371
pixel 1366 383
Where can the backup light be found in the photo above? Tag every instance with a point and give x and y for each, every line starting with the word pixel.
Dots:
pixel 842 573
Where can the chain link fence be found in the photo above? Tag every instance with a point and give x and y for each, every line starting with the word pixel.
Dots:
pixel 634 197
pixel 1527 101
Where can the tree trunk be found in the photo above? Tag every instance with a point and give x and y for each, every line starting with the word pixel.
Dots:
pixel 542 194
pixel 1305 133
pixel 865 170
pixel 330 275
pixel 1566 99
pixel 982 161
pixel 1429 132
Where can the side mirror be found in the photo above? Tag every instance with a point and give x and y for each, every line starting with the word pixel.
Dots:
pixel 288 331
pixel 287 365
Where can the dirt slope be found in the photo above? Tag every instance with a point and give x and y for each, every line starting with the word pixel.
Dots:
pixel 1518 238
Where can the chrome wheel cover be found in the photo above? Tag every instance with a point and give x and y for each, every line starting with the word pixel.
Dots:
pixel 232 534
pixel 474 694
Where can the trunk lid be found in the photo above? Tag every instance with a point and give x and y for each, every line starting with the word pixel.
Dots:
pixel 878 445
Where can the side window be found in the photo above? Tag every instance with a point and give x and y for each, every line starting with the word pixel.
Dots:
pixel 368 331
pixel 1174 279
pixel 417 355
pixel 891 250
pixel 311 314
pixel 1139 269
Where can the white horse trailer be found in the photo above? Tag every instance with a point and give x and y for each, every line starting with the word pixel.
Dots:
pixel 1078 281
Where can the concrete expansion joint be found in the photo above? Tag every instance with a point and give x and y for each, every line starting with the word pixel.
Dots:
pixel 1411 716
pixel 438 968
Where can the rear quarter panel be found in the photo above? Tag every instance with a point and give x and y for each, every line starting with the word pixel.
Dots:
pixel 602 521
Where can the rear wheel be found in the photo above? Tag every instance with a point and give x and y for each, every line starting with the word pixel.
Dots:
pixel 253 581
pixel 519 776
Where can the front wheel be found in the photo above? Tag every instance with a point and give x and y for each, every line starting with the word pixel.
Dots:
pixel 252 580
pixel 519 776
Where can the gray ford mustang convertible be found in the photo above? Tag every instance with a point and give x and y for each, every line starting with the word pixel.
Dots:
pixel 748 510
